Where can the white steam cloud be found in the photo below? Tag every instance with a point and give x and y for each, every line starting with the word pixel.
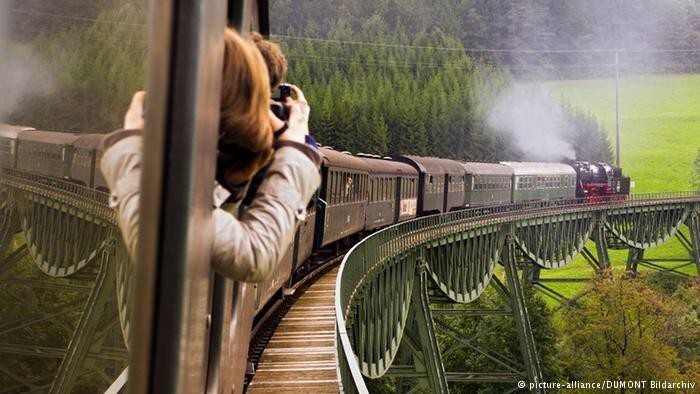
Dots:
pixel 533 120
pixel 22 73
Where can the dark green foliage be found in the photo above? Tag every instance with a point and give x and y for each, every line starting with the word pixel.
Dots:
pixel 503 339
pixel 393 101
pixel 97 62
pixel 635 26
pixel 587 136
pixel 38 315
pixel 624 330
pixel 431 101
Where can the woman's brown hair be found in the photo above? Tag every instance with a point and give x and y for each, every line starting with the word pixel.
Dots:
pixel 245 134
pixel 274 58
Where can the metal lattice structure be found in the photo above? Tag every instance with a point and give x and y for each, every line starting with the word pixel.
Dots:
pixel 395 294
pixel 395 287
pixel 81 267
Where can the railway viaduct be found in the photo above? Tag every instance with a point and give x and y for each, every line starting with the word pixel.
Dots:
pixel 393 289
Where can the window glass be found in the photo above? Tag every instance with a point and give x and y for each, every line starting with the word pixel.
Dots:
pixel 68 66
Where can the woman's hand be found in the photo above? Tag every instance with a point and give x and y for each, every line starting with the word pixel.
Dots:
pixel 298 118
pixel 133 120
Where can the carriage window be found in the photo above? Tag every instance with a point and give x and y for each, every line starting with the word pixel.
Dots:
pixel 70 56
pixel 332 192
pixel 336 187
pixel 389 187
pixel 361 193
pixel 339 186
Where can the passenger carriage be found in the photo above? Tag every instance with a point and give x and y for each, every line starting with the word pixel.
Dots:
pixel 487 184
pixel 8 144
pixel 533 181
pixel 342 198
pixel 46 153
pixel 393 192
pixel 85 165
pixel 440 182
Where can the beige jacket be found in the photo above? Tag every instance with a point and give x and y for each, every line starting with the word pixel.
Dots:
pixel 246 248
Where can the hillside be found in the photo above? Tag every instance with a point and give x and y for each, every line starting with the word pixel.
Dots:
pixel 660 136
pixel 660 124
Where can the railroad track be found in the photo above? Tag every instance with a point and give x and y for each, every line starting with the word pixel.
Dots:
pixel 266 326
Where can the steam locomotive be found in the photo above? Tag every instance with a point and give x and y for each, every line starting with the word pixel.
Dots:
pixel 358 194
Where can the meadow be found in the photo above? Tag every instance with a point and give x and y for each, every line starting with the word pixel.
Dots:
pixel 660 138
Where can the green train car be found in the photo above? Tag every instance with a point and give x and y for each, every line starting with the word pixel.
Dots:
pixel 487 184
pixel 542 181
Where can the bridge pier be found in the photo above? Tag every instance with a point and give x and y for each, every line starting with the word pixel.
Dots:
pixel 601 243
pixel 86 334
pixel 519 309
pixel 634 256
pixel 429 349
pixel 693 223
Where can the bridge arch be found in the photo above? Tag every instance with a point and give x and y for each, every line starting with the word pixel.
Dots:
pixel 458 252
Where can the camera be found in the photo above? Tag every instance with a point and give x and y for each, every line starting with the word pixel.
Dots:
pixel 279 96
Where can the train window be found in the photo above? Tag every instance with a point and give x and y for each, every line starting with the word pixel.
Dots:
pixel 54 44
pixel 371 183
pixel 363 188
pixel 340 179
pixel 389 188
pixel 361 191
pixel 393 188
pixel 331 188
pixel 385 185
pixel 336 188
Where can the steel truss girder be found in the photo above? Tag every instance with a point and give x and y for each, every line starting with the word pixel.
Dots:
pixel 646 226
pixel 86 331
pixel 105 353
pixel 67 227
pixel 462 265
pixel 521 316
pixel 378 319
pixel 430 349
pixel 554 241
pixel 9 223
pixel 492 354
pixel 62 239
pixel 693 223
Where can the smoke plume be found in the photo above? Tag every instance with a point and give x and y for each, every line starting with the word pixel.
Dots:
pixel 533 120
pixel 22 73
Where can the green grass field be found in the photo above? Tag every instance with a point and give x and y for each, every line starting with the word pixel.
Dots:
pixel 660 137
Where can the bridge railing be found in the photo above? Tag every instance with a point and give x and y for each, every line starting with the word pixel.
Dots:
pixel 370 253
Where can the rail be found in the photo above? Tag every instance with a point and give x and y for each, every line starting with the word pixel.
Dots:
pixel 369 254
